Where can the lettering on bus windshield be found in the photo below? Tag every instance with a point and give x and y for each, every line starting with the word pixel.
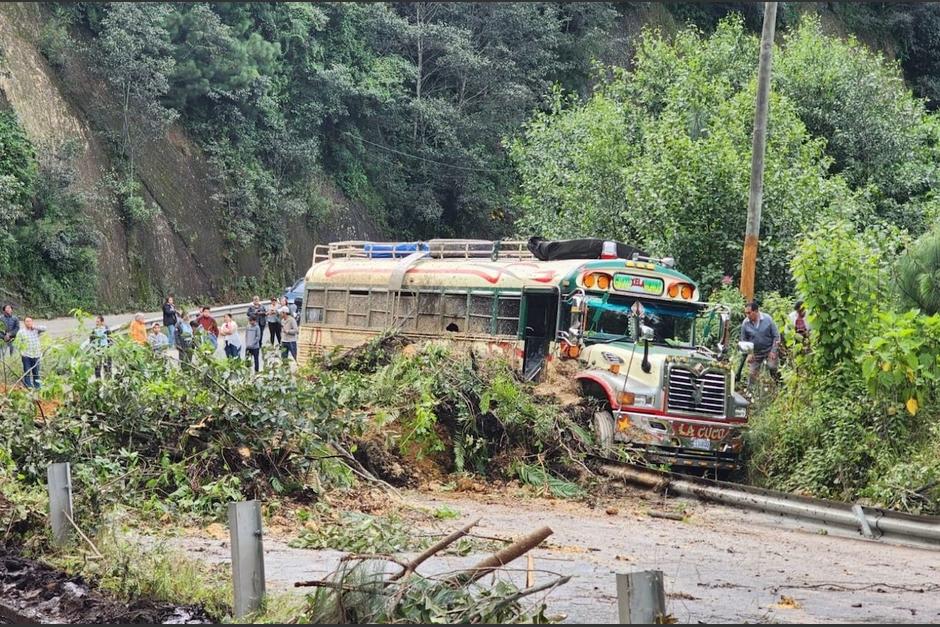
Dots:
pixel 642 284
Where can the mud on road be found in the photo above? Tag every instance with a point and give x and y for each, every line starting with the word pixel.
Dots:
pixel 720 565
pixel 33 591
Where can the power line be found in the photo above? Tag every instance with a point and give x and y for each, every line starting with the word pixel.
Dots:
pixel 420 158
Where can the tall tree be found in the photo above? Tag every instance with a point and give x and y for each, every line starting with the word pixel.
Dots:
pixel 135 53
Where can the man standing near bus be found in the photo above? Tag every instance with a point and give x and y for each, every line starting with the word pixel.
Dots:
pixel 760 329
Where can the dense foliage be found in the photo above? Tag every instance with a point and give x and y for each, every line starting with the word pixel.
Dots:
pixel 857 416
pixel 660 154
pixel 188 440
pixel 403 105
pixel 46 243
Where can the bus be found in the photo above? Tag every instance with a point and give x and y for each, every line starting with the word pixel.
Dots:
pixel 647 349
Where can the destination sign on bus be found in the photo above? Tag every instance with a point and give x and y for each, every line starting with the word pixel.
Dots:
pixel 638 284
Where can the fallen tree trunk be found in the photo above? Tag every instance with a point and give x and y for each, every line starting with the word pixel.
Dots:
pixel 502 557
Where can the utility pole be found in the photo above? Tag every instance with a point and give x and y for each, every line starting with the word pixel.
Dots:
pixel 758 145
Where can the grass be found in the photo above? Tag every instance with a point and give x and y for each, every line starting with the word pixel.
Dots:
pixel 131 570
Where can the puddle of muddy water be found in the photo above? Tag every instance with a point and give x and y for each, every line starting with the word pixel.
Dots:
pixel 46 595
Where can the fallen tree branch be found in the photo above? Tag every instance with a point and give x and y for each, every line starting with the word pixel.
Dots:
pixel 502 557
pixel 548 585
pixel 360 470
pixel 438 546
pixel 84 537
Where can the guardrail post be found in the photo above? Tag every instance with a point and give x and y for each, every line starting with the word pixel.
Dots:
pixel 60 501
pixel 244 521
pixel 641 599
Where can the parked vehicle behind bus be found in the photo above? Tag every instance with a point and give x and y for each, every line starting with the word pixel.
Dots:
pixel 648 351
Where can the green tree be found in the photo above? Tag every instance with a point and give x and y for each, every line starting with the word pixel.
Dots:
pixel 660 156
pixel 135 54
pixel 879 136
pixel 918 274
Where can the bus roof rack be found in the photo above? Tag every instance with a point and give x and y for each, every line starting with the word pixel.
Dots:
pixel 435 249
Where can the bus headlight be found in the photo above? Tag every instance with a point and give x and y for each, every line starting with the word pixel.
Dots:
pixel 642 400
pixel 740 411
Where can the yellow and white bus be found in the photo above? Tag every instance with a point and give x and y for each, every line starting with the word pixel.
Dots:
pixel 635 327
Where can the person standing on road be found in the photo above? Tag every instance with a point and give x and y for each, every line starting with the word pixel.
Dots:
pixel 257 312
pixel 289 332
pixel 157 340
pixel 253 341
pixel 274 321
pixel 100 339
pixel 169 319
pixel 137 330
pixel 30 352
pixel 232 337
pixel 210 326
pixel 760 329
pixel 9 327
pixel 185 337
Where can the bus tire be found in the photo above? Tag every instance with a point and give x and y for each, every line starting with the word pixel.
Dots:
pixel 604 430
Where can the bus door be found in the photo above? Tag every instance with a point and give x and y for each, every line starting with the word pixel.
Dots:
pixel 539 319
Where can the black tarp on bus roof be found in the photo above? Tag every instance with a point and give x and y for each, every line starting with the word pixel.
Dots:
pixel 551 250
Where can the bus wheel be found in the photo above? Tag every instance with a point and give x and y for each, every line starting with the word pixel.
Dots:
pixel 604 430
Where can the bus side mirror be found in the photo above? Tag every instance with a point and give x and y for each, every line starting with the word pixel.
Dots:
pixel 578 310
pixel 746 347
pixel 646 335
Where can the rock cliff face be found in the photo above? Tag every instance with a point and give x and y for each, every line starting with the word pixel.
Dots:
pixel 182 249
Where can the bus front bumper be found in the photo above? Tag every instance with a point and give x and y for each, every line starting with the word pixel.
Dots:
pixel 681 440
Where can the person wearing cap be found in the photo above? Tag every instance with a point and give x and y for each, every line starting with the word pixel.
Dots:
pixel 289 333
pixel 157 340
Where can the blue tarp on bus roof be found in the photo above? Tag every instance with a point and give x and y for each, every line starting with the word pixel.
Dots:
pixel 386 251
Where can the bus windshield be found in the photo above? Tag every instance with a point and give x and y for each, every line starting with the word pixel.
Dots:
pixel 614 320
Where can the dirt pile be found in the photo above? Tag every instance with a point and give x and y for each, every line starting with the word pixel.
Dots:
pixel 46 595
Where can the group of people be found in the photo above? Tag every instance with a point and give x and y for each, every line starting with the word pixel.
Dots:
pixel 760 329
pixel 184 330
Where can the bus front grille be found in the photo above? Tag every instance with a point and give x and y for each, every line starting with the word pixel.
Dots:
pixel 704 394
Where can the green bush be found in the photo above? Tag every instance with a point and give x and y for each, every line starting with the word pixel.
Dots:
pixel 842 282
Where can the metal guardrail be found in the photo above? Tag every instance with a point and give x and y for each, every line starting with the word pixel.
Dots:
pixel 871 522
pixel 215 311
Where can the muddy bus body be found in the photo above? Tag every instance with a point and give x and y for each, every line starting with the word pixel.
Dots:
pixel 633 326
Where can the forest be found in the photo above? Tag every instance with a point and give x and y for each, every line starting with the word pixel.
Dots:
pixel 491 120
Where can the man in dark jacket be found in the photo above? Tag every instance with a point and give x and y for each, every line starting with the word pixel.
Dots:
pixel 169 319
pixel 257 312
pixel 9 327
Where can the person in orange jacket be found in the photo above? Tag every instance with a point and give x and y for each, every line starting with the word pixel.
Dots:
pixel 138 330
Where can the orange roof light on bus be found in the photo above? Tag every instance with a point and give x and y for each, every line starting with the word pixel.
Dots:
pixel 685 290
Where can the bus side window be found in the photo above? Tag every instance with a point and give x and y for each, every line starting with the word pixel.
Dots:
pixel 335 311
pixel 378 310
pixel 507 315
pixel 455 311
pixel 357 314
pixel 316 300
pixel 481 313
pixel 429 312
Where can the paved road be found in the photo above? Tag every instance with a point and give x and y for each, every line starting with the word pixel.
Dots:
pixel 720 564
pixel 69 329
